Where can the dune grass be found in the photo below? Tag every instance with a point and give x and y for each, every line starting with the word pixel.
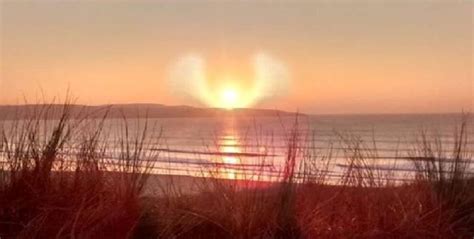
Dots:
pixel 57 180
pixel 55 183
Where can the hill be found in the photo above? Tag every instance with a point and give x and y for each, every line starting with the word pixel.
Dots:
pixel 131 111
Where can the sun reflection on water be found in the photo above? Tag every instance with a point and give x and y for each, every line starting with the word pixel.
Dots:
pixel 228 145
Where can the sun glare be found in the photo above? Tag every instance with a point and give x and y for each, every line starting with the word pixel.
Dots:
pixel 229 98
pixel 190 76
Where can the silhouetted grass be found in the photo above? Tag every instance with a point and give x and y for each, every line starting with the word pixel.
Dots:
pixel 59 180
pixel 56 182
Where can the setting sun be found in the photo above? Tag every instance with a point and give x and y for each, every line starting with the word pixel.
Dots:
pixel 229 98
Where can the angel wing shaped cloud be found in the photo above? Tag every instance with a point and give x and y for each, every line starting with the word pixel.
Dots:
pixel 187 77
pixel 271 78
pixel 189 81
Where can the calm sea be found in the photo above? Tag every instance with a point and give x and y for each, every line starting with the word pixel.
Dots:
pixel 257 148
pixel 243 147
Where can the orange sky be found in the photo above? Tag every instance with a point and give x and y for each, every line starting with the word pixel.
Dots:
pixel 341 57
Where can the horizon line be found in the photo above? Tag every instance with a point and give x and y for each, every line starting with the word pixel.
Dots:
pixel 246 108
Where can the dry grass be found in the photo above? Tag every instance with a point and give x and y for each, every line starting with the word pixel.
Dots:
pixel 365 203
pixel 55 182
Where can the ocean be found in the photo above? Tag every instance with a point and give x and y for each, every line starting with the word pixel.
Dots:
pixel 247 147
pixel 258 147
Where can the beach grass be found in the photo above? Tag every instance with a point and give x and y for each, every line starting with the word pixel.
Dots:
pixel 58 181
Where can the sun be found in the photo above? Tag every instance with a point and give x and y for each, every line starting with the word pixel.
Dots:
pixel 229 98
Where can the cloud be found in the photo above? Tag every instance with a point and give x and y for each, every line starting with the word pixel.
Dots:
pixel 271 77
pixel 188 80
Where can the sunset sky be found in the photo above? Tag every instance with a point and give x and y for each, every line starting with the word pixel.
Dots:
pixel 329 56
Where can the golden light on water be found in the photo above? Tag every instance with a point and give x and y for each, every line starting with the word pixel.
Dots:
pixel 230 145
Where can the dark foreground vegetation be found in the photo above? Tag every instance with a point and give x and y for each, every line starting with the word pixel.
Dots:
pixel 58 181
